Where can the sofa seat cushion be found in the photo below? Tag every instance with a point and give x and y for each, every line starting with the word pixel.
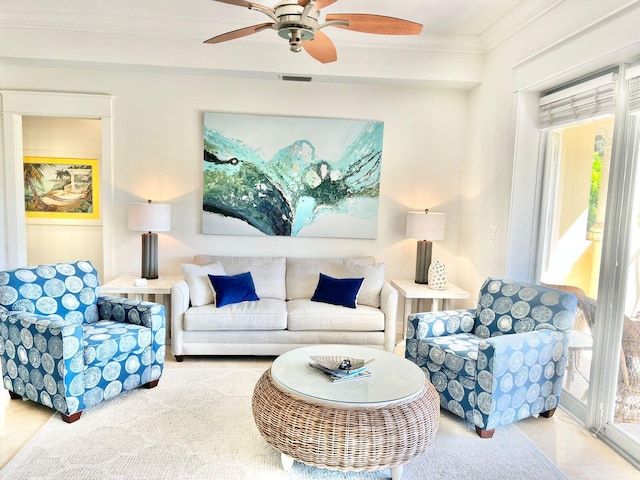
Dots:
pixel 263 314
pixel 105 340
pixel 457 353
pixel 307 315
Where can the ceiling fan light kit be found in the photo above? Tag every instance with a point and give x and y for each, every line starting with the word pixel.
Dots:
pixel 298 21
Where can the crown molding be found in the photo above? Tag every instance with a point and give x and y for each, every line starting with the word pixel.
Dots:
pixel 517 19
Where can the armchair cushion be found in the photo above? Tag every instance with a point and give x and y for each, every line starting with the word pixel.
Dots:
pixel 105 339
pixel 458 353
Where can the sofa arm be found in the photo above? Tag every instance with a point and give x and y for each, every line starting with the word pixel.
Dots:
pixel 179 305
pixel 51 349
pixel 519 370
pixel 389 306
pixel 435 324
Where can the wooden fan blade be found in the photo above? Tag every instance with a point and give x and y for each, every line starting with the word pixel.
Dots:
pixel 362 22
pixel 320 4
pixel 242 32
pixel 321 48
pixel 245 4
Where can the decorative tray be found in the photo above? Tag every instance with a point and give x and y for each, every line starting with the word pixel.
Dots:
pixel 338 362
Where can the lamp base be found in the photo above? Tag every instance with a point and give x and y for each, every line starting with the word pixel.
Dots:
pixel 423 260
pixel 149 256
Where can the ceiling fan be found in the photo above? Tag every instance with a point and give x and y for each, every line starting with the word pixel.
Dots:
pixel 299 22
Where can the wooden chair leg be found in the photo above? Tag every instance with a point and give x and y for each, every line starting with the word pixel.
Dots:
pixel 549 413
pixel 151 384
pixel 71 418
pixel 14 395
pixel 179 358
pixel 482 433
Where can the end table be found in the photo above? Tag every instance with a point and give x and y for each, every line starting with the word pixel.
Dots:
pixel 410 290
pixel 160 288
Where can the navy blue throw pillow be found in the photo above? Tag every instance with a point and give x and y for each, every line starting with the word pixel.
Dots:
pixel 233 288
pixel 337 291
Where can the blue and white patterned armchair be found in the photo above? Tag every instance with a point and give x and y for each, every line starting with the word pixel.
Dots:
pixel 500 362
pixel 66 347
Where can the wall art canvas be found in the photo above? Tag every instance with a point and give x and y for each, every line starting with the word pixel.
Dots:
pixel 291 176
pixel 57 190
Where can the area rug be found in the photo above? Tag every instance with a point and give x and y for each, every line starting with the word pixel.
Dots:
pixel 197 424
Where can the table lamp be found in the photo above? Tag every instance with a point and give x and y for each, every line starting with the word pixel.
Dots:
pixel 425 226
pixel 149 218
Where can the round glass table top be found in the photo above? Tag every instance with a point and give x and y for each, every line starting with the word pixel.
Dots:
pixel 392 379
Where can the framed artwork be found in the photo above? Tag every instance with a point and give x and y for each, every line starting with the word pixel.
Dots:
pixel 291 176
pixel 61 190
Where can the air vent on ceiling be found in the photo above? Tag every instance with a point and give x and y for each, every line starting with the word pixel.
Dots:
pixel 294 78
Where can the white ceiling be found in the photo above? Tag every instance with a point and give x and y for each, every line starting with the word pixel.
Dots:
pixel 169 32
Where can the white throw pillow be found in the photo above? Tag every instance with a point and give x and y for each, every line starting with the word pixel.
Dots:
pixel 197 276
pixel 373 281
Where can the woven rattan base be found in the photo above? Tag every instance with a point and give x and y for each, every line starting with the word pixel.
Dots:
pixel 353 439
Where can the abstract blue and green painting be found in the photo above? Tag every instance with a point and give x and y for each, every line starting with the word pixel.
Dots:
pixel 291 176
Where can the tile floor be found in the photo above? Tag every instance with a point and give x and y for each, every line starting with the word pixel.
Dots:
pixel 564 441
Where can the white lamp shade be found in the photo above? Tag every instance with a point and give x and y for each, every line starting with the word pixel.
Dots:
pixel 150 217
pixel 425 226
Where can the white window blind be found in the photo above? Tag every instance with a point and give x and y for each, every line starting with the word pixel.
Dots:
pixel 633 75
pixel 589 99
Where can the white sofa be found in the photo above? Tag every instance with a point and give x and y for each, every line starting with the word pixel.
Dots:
pixel 284 317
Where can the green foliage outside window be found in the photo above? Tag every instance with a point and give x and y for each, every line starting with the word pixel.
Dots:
pixel 594 193
pixel 599 145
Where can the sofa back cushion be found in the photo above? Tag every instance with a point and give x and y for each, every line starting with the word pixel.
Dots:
pixel 373 274
pixel 303 274
pixel 506 307
pixel 268 273
pixel 68 290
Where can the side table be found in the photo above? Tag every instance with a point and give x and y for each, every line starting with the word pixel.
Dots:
pixel 160 288
pixel 410 290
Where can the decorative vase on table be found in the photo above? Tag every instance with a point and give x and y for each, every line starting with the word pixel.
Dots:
pixel 437 276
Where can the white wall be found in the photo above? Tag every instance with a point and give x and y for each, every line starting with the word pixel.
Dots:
pixel 157 153
pixel 574 38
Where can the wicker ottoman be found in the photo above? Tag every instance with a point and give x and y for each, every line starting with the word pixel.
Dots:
pixel 345 436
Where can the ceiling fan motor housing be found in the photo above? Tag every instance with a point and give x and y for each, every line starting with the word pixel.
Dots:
pixel 292 26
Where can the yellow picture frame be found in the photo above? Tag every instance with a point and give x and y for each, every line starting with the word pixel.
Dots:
pixel 61 190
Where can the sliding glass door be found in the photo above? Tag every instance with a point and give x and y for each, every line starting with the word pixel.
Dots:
pixel 589 244
pixel 577 161
pixel 626 412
